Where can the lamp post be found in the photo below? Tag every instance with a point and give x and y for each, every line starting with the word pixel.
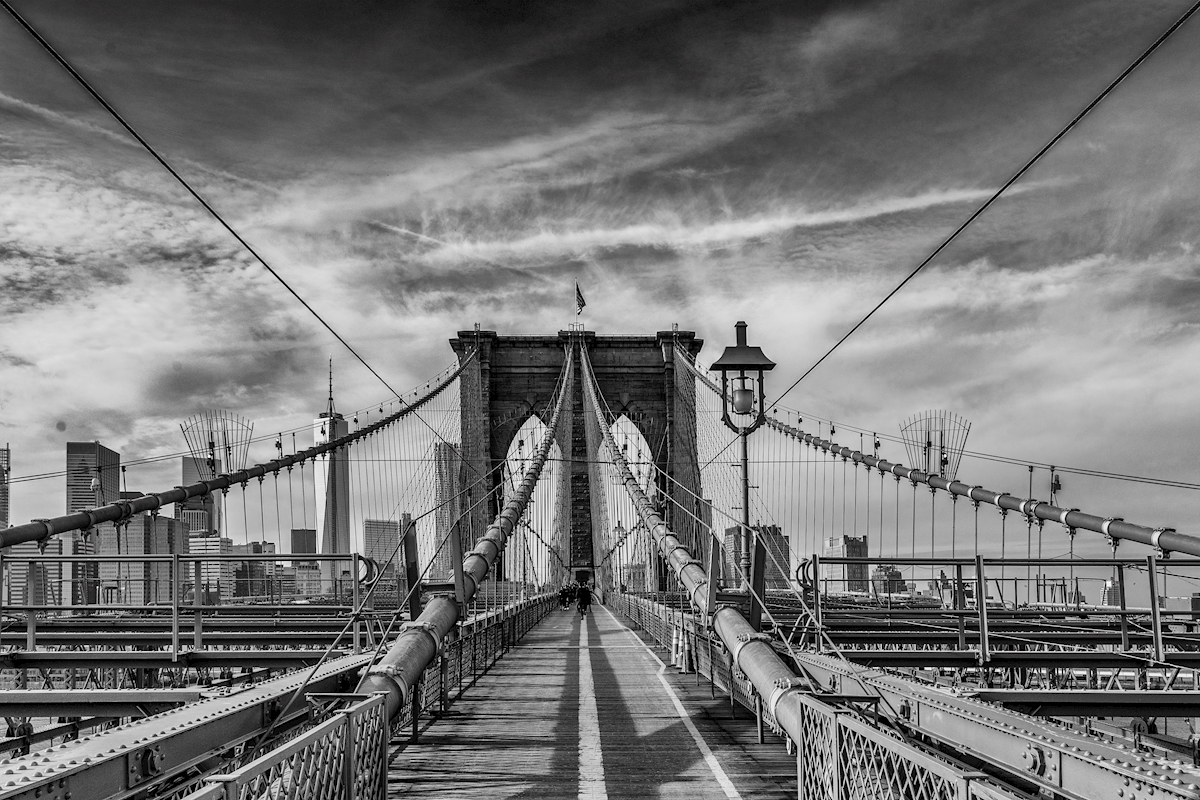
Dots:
pixel 749 407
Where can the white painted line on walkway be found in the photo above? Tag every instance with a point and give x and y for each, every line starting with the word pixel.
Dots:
pixel 709 758
pixel 582 647
pixel 591 755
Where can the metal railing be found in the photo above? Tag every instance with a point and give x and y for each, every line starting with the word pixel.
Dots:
pixel 967 605
pixel 468 653
pixel 841 755
pixel 163 588
pixel 344 757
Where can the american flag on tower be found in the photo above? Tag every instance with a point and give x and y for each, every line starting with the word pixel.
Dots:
pixel 579 301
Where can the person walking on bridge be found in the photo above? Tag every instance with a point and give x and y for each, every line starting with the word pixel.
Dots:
pixel 583 597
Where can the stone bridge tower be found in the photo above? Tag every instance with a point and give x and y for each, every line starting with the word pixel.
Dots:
pixel 515 377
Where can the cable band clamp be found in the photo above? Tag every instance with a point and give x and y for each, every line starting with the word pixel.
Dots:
pixel 392 673
pixel 783 686
pixel 429 629
pixel 744 639
pixel 1154 537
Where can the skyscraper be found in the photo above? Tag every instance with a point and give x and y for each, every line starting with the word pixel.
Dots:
pixel 381 538
pixel 307 580
pixel 845 577
pixel 778 564
pixel 332 475
pixel 147 582
pixel 16 573
pixel 216 577
pixel 202 514
pixel 254 577
pixel 25 582
pixel 93 480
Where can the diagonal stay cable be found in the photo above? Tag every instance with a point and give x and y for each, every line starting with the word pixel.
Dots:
pixel 355 615
pixel 183 182
pixel 996 196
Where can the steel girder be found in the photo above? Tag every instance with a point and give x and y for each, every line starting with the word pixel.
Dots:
pixel 135 758
pixel 969 659
pixel 1069 763
pixel 1094 702
pixel 159 659
pixel 93 702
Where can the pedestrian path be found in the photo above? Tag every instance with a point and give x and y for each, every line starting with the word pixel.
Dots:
pixel 587 709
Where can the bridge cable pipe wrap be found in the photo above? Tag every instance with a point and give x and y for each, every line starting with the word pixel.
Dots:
pixel 754 654
pixel 419 641
pixel 40 530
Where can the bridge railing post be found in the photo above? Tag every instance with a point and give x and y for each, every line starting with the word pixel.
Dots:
pixel 985 654
pixel 197 603
pixel 1124 612
pixel 960 606
pixel 1155 611
pixel 818 617
pixel 355 591
pixel 176 587
pixel 818 759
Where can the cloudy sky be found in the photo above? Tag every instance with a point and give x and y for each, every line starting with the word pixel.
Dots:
pixel 412 172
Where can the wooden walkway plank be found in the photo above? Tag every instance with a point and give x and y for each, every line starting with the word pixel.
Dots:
pixel 519 733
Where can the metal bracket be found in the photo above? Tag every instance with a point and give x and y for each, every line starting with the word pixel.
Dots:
pixel 1154 537
pixel 391 671
pixel 145 764
pixel 744 639
pixel 783 686
pixel 428 628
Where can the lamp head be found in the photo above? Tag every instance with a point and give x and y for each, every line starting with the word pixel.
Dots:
pixel 743 358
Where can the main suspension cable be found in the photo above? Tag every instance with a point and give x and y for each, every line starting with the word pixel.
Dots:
pixel 996 195
pixel 183 182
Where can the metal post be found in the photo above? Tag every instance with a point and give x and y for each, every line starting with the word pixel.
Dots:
pixel 960 605
pixel 355 590
pixel 758 583
pixel 416 707
pixel 1124 614
pixel 348 755
pixel 1155 614
pixel 981 606
pixel 732 699
pixel 197 603
pixel 816 584
pixel 412 569
pixel 456 564
pixel 176 587
pixel 746 509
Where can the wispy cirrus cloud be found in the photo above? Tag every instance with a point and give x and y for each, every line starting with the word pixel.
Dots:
pixel 681 235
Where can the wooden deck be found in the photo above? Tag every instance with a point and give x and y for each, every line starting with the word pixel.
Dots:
pixel 589 711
